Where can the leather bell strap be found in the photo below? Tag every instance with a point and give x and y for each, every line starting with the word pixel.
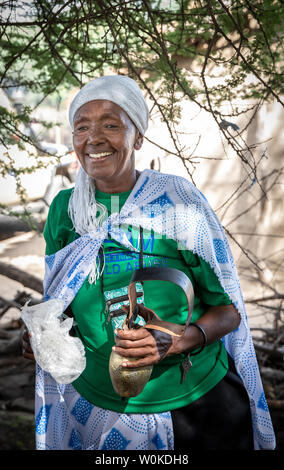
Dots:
pixel 161 274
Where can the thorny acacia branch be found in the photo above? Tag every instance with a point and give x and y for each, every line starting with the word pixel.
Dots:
pixel 204 53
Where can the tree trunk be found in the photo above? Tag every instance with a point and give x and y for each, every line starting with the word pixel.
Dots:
pixel 27 280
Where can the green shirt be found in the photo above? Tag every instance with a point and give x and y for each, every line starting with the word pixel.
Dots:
pixel 165 390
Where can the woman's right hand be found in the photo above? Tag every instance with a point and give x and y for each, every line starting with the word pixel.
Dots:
pixel 26 345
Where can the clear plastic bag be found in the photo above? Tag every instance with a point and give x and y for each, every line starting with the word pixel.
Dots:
pixel 56 352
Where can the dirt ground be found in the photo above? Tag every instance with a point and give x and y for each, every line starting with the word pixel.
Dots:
pixel 25 251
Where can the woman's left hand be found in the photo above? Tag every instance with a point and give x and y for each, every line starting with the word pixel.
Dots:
pixel 141 344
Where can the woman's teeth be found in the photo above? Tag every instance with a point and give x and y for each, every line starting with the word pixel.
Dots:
pixel 100 155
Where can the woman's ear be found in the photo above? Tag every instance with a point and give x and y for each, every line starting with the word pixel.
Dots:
pixel 138 141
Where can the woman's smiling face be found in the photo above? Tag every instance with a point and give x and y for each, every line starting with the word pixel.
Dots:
pixel 104 140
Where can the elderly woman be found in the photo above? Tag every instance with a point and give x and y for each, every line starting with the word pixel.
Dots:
pixel 114 221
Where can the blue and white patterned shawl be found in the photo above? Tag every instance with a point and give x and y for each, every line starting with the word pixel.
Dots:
pixel 170 205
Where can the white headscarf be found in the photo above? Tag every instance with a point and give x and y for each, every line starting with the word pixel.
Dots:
pixel 119 89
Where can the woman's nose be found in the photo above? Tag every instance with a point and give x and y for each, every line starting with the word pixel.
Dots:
pixel 95 136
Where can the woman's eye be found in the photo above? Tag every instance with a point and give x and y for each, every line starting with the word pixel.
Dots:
pixel 81 129
pixel 111 126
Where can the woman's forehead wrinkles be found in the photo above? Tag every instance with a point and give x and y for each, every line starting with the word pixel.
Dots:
pixel 105 115
pixel 80 118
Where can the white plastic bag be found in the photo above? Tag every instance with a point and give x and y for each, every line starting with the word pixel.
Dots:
pixel 56 352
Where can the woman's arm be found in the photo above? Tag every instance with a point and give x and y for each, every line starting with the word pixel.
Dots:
pixel 217 321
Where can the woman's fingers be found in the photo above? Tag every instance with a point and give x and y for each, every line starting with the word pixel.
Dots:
pixel 133 334
pixel 144 361
pixel 136 352
pixel 134 339
pixel 28 355
pixel 138 344
pixel 26 346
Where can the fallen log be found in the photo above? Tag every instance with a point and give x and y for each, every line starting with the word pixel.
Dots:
pixel 24 278
pixel 276 404
pixel 4 334
pixel 269 373
pixel 20 404
pixel 11 346
pixel 11 360
pixel 269 349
